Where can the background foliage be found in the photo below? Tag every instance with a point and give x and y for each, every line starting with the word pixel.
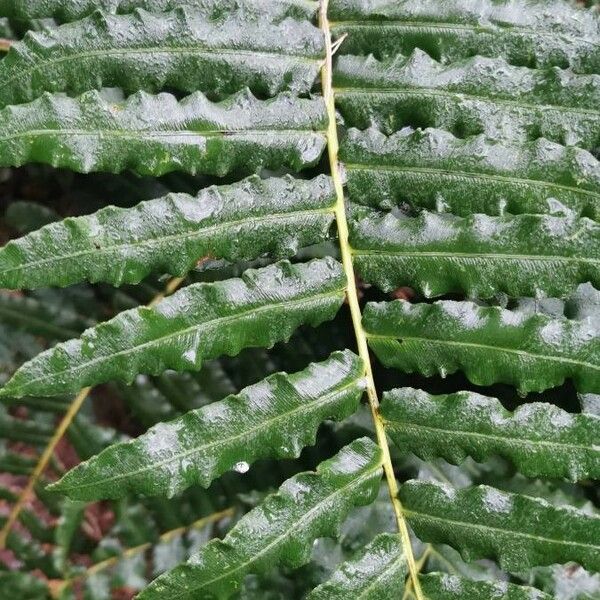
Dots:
pixel 469 151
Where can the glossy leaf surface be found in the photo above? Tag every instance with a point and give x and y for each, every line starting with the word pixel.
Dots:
pixel 438 254
pixel 275 418
pixel 154 135
pixel 241 221
pixel 180 50
pixel 199 322
pixel 73 10
pixel 477 95
pixel 281 530
pixel 378 573
pixel 440 586
pixel 540 439
pixel 536 33
pixel 489 344
pixel 433 169
pixel 475 126
pixel 518 531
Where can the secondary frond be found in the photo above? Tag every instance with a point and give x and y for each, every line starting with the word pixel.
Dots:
pixel 469 97
pixel 518 531
pixel 73 10
pixel 282 529
pixel 540 439
pixel 154 135
pixel 378 574
pixel 199 322
pixel 181 50
pixel 238 222
pixel 525 33
pixel 479 256
pixel 440 586
pixel 434 169
pixel 488 344
pixel 275 418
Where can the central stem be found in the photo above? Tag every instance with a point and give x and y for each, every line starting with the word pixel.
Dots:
pixel 353 301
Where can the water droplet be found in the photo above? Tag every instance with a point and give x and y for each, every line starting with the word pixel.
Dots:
pixel 241 467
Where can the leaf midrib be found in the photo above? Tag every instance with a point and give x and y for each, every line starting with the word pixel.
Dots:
pixel 198 50
pixel 474 175
pixel 305 517
pixel 159 133
pixel 158 240
pixel 183 332
pixel 540 538
pixel 399 425
pixel 451 254
pixel 423 90
pixel 316 403
pixel 499 349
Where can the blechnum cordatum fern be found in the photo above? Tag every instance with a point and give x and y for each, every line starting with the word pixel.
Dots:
pixel 446 152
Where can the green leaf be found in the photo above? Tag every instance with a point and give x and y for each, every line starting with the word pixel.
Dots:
pixel 27 431
pixel 241 221
pixel 378 574
pixel 73 10
pixel 535 34
pixel 23 586
pixel 154 135
pixel 433 169
pixel 39 317
pixel 490 344
pixel 568 582
pixel 15 463
pixel 518 531
pixel 180 50
pixel 438 254
pixel 71 517
pixel 281 530
pixel 540 439
pixel 199 322
pixel 440 586
pixel 275 418
pixel 25 216
pixel 477 95
pixel 5 29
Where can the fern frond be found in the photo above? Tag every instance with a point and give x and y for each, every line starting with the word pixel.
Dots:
pixel 241 221
pixel 518 531
pixel 275 418
pixel 534 34
pixel 440 586
pixel 438 254
pixel 73 10
pixel 22 586
pixel 172 537
pixel 40 318
pixel 19 430
pixel 154 135
pixel 199 322
pixel 378 574
pixel 540 439
pixel 433 169
pixel 464 136
pixel 181 50
pixel 281 529
pixel 470 97
pixel 489 344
